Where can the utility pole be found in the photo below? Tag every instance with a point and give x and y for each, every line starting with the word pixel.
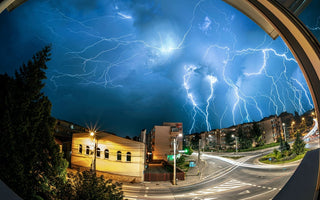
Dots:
pixel 284 131
pixel 199 151
pixel 94 156
pixel 236 145
pixel 174 160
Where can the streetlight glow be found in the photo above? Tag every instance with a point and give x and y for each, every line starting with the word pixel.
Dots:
pixel 92 133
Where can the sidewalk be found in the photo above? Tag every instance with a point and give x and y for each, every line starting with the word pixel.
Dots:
pixel 200 171
pixel 192 176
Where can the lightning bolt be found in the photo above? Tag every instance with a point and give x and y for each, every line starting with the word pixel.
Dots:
pixel 315 27
pixel 189 72
pixel 101 56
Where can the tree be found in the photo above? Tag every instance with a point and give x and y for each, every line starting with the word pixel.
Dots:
pixel 87 185
pixel 229 138
pixel 284 146
pixel 244 141
pixel 256 133
pixel 195 141
pixel 31 163
pixel 298 145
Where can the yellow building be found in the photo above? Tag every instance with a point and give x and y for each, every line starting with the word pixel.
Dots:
pixel 116 157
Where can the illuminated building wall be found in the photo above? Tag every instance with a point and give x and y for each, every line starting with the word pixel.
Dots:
pixel 162 139
pixel 117 158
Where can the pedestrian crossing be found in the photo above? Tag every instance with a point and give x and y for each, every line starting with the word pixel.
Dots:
pixel 231 184
pixel 228 185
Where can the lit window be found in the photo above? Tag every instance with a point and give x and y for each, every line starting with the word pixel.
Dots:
pixel 106 153
pixel 128 157
pixel 80 148
pixel 98 152
pixel 87 150
pixel 119 155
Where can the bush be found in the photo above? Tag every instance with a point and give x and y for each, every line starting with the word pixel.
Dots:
pixel 87 185
pixel 275 152
pixel 181 160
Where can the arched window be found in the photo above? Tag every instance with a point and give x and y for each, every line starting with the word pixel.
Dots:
pixel 98 152
pixel 80 148
pixel 119 155
pixel 106 154
pixel 87 150
pixel 128 157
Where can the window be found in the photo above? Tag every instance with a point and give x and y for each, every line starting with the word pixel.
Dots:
pixel 106 153
pixel 80 148
pixel 128 157
pixel 119 155
pixel 98 152
pixel 87 150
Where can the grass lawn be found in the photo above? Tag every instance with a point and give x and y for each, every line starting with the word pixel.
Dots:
pixel 265 159
pixel 261 147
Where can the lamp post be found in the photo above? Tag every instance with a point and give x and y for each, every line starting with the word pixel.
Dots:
pixel 174 158
pixel 292 124
pixel 236 142
pixel 94 156
pixel 284 131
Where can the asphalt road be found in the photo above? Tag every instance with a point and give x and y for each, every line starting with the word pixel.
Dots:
pixel 225 179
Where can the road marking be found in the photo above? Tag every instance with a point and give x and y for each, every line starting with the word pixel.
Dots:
pixel 147 188
pixel 232 184
pixel 245 192
pixel 254 196
pixel 130 186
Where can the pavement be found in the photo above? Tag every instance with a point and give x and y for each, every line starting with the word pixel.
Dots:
pixel 192 176
pixel 198 173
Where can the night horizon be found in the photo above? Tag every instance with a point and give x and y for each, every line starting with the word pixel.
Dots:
pixel 129 66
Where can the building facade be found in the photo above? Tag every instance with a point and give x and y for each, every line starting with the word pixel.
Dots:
pixel 161 138
pixel 271 128
pixel 116 157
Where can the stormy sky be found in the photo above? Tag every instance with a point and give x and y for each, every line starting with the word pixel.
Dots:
pixel 129 65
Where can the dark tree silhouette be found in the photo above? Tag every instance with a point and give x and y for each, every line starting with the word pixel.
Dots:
pixel 31 163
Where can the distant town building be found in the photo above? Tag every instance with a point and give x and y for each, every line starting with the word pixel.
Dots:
pixel 116 157
pixel 63 131
pixel 143 136
pixel 161 140
pixel 271 128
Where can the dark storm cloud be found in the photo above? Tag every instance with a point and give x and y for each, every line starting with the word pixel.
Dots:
pixel 122 64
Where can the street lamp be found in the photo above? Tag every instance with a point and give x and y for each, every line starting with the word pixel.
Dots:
pixel 174 158
pixel 292 124
pixel 94 156
pixel 284 131
pixel 236 143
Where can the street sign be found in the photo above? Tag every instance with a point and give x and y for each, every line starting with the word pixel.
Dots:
pixel 192 164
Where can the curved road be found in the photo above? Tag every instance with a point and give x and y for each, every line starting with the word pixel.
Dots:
pixel 225 179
